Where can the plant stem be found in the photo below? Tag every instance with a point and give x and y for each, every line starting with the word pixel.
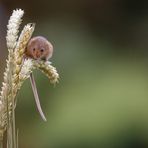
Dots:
pixel 17 138
pixel 13 125
pixel 1 143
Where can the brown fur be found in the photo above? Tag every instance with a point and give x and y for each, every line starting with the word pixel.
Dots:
pixel 39 48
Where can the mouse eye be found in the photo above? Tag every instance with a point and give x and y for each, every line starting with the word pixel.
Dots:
pixel 33 49
pixel 42 50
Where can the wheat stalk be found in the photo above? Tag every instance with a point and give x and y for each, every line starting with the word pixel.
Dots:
pixel 11 38
pixel 18 69
pixel 48 70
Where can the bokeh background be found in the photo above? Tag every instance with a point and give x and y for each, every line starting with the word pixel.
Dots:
pixel 101 54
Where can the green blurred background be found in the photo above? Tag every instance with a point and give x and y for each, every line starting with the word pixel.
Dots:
pixel 101 54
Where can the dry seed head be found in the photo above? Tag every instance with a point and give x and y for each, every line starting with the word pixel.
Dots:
pixel 26 69
pixel 20 49
pixel 22 43
pixel 17 69
pixel 48 70
pixel 13 26
pixel 11 38
pixel 22 68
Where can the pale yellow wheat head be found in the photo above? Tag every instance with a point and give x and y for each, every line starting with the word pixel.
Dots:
pixel 18 69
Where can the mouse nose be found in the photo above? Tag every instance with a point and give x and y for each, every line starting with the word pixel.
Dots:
pixel 38 54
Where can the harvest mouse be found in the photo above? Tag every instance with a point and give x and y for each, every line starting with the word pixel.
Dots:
pixel 38 48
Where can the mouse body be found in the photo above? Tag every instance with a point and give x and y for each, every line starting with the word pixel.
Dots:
pixel 39 48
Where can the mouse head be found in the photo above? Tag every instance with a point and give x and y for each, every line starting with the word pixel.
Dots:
pixel 39 48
